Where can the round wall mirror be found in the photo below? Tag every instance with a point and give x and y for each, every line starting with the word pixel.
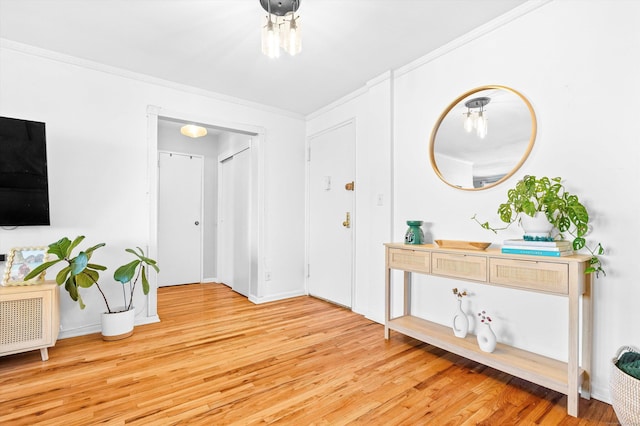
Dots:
pixel 482 138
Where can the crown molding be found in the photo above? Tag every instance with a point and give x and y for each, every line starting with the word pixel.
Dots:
pixel 482 30
pixel 97 66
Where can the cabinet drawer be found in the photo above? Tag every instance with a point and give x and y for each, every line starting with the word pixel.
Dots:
pixel 539 276
pixel 409 260
pixel 459 266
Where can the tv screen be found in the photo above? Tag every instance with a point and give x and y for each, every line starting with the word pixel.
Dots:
pixel 24 190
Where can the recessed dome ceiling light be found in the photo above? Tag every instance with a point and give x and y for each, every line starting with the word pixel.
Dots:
pixel 193 131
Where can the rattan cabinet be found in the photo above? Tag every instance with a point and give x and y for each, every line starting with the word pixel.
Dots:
pixel 559 276
pixel 29 318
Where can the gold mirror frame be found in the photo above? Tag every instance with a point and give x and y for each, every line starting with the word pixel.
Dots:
pixel 457 104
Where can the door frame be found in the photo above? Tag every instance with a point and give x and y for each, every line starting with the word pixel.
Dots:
pixel 307 219
pixel 201 271
pixel 257 184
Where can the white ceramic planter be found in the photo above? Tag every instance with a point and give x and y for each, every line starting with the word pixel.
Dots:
pixel 118 325
pixel 537 226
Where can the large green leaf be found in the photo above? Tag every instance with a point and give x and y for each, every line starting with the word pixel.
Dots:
pixel 145 281
pixel 79 263
pixel 90 250
pixel 96 266
pixel 59 248
pixel 63 275
pixel 505 212
pixel 86 278
pixel 36 271
pixel 73 245
pixel 125 273
pixel 143 258
pixel 72 289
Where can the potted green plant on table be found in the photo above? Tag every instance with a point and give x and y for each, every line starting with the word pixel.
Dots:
pixel 547 200
pixel 117 321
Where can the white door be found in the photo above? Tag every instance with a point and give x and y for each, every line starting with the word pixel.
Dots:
pixel 331 215
pixel 234 261
pixel 179 219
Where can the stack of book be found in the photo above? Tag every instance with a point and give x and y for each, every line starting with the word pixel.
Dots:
pixel 538 248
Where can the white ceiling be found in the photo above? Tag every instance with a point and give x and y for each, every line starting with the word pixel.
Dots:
pixel 215 44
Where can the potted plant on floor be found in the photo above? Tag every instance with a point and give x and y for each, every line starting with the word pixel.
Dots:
pixel 117 321
pixel 547 200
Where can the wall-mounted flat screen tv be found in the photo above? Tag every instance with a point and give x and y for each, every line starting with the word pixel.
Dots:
pixel 24 190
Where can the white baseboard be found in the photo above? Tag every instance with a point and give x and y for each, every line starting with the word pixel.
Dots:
pixel 97 328
pixel 274 297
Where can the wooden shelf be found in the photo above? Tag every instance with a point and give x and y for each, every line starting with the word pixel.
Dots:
pixel 545 371
pixel 562 276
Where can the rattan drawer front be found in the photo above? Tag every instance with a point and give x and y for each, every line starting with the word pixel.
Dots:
pixel 409 260
pixel 540 276
pixel 459 266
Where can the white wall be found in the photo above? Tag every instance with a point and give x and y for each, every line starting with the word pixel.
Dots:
pixel 98 175
pixel 576 62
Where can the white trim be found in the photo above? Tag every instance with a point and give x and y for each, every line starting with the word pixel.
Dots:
pixel 257 229
pixel 472 35
pixel 97 328
pixel 343 100
pixel 494 24
pixel 380 79
pixel 96 66
pixel 276 297
pixel 152 199
pixel 331 128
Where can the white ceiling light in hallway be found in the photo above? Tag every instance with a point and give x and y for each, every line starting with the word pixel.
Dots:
pixel 281 27
pixel 193 131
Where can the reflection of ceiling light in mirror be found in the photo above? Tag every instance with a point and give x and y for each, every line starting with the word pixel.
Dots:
pixel 476 119
pixel 193 131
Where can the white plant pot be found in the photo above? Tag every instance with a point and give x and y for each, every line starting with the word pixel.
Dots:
pixel 118 325
pixel 537 226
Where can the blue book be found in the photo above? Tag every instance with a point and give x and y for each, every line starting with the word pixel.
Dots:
pixel 537 252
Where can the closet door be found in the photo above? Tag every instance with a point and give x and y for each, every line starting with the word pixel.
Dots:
pixel 180 219
pixel 234 261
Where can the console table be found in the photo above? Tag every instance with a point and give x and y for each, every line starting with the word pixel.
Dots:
pixel 29 318
pixel 561 276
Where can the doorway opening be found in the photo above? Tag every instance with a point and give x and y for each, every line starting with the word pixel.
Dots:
pixel 237 142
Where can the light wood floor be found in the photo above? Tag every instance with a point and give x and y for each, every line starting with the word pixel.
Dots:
pixel 215 358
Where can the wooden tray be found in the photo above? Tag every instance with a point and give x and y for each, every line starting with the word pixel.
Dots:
pixel 467 245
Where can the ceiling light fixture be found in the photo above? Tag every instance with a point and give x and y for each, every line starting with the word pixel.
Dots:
pixel 281 27
pixel 193 131
pixel 476 119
